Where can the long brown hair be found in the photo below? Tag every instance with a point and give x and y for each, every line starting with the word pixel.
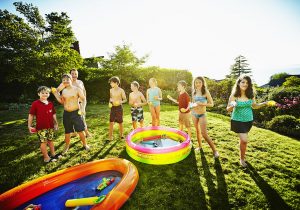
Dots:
pixel 236 91
pixel 203 88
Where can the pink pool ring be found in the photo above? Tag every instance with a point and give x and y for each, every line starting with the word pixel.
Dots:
pixel 158 145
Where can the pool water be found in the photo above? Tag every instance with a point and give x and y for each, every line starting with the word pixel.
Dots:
pixel 158 143
pixel 80 188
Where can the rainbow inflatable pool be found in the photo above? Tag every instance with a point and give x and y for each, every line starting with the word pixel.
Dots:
pixel 158 145
pixel 77 186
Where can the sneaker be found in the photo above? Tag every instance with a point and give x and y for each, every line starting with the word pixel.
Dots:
pixel 57 156
pixel 198 149
pixel 216 154
pixel 243 163
pixel 87 147
pixel 50 160
pixel 66 149
pixel 122 137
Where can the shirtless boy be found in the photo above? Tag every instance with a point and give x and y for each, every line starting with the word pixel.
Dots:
pixel 72 118
pixel 117 98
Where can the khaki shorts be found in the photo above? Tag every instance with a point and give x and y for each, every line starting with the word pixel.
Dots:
pixel 185 119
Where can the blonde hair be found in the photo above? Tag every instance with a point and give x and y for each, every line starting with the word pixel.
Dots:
pixel 153 80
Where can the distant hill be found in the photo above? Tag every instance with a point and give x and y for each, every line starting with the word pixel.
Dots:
pixel 279 82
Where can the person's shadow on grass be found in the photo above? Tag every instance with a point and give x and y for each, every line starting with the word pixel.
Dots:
pixel 218 196
pixel 172 186
pixel 274 199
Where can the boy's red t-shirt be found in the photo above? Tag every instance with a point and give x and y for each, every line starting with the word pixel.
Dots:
pixel 43 113
pixel 183 101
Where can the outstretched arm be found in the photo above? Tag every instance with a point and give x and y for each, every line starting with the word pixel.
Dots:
pixel 258 105
pixel 172 99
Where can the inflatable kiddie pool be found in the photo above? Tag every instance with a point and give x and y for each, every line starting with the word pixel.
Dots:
pixel 77 185
pixel 158 145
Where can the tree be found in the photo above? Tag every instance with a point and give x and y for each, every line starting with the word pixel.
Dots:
pixel 239 67
pixel 282 75
pixel 278 79
pixel 35 48
pixel 123 62
pixel 292 81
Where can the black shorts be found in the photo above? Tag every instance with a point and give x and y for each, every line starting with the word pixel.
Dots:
pixel 73 121
pixel 241 127
pixel 116 114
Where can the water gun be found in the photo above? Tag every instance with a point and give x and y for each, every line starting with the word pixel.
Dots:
pixel 105 182
pixel 53 90
pixel 271 103
pixel 85 201
pixel 192 105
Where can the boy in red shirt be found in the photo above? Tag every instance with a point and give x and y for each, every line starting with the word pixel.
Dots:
pixel 46 122
pixel 183 105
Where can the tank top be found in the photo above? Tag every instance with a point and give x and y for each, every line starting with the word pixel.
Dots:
pixel 154 92
pixel 243 111
pixel 201 99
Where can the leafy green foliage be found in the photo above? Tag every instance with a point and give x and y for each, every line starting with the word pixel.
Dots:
pixel 292 81
pixel 282 75
pixel 287 99
pixel 285 124
pixel 34 49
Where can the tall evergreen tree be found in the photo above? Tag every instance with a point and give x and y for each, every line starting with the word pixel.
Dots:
pixel 239 67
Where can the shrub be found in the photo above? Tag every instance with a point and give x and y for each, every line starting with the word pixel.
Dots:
pixel 285 124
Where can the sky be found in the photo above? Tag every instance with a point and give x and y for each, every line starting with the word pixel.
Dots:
pixel 202 36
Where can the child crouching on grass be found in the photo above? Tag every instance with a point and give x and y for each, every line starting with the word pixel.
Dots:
pixel 46 122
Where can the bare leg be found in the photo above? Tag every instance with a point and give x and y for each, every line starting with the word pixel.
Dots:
pixel 51 146
pixel 82 138
pixel 134 125
pixel 198 134
pixel 142 123
pixel 67 140
pixel 111 127
pixel 243 145
pixel 207 138
pixel 189 132
pixel 121 130
pixel 157 111
pixel 43 148
pixel 181 126
pixel 87 133
pixel 153 115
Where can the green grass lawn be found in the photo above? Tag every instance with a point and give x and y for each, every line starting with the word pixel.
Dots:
pixel 198 182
